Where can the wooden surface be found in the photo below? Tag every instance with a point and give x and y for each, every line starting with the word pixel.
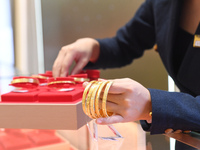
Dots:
pixel 192 139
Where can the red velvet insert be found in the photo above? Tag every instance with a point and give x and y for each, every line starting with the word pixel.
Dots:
pixel 20 97
pixel 58 96
pixel 50 92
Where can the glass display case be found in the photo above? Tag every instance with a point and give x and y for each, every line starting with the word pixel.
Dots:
pixel 39 127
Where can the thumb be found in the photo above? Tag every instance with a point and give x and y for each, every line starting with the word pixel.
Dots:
pixel 109 120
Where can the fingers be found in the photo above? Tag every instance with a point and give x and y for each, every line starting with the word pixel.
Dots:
pixel 115 98
pixel 112 107
pixel 81 51
pixel 117 87
pixel 66 63
pixel 56 66
pixel 80 64
pixel 178 131
pixel 109 120
pixel 121 86
pixel 116 103
pixel 62 63
pixel 168 131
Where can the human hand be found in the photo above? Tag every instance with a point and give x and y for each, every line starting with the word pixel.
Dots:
pixel 128 100
pixel 82 51
pixel 168 131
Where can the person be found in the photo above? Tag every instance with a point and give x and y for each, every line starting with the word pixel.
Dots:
pixel 174 26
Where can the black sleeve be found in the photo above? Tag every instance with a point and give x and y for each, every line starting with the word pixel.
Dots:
pixel 175 110
pixel 130 41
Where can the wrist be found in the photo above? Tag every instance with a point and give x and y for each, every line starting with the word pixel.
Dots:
pixel 150 118
pixel 149 109
pixel 95 51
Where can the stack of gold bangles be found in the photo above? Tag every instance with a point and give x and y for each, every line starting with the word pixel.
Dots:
pixel 91 98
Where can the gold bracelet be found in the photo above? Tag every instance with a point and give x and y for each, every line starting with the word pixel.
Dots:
pixel 92 100
pixel 39 77
pixel 85 94
pixel 97 109
pixel 61 82
pixel 25 80
pixel 105 94
pixel 81 79
pixel 88 100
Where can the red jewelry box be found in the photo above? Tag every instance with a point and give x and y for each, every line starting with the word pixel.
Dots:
pixel 45 106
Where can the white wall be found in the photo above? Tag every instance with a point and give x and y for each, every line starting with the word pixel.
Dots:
pixel 6 46
pixel 28 37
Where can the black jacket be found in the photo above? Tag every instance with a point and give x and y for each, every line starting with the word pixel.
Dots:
pixel 156 22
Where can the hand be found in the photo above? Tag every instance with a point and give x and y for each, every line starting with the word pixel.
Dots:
pixel 168 131
pixel 128 100
pixel 82 51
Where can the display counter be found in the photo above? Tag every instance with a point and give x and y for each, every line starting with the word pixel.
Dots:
pixel 65 133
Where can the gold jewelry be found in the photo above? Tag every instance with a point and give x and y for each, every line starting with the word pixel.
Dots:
pixel 61 82
pixel 25 80
pixel 91 97
pixel 105 94
pixel 150 114
pixel 85 94
pixel 81 79
pixel 97 109
pixel 92 100
pixel 88 100
pixel 39 77
pixel 196 42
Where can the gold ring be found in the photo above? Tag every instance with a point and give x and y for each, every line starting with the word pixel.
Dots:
pixel 105 94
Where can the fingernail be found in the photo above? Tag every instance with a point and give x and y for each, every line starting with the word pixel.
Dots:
pixel 99 120
pixel 167 131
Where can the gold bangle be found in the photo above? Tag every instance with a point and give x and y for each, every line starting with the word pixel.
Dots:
pixel 92 100
pixel 105 94
pixel 97 109
pixel 60 82
pixel 85 94
pixel 88 100
pixel 39 77
pixel 81 79
pixel 25 80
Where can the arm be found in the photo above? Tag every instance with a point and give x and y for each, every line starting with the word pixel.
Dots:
pixel 82 51
pixel 174 110
pixel 130 41
pixel 130 101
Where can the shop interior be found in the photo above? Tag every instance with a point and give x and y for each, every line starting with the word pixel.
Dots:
pixel 31 34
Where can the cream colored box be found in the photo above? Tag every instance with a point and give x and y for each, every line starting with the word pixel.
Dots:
pixel 59 116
